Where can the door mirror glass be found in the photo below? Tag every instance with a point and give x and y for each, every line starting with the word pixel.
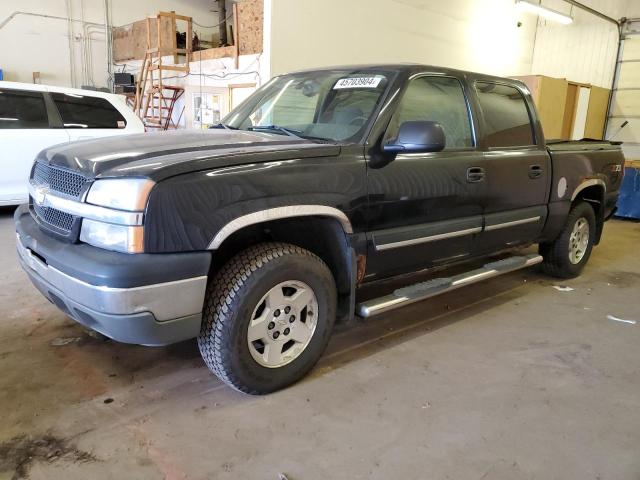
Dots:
pixel 419 136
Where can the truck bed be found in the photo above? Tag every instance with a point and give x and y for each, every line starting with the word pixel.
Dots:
pixel 584 144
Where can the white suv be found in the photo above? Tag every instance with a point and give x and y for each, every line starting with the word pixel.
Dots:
pixel 34 117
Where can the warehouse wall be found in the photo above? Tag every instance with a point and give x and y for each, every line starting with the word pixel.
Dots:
pixel 39 44
pixel 467 34
pixel 584 51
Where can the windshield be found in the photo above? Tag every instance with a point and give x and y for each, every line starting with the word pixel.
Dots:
pixel 334 105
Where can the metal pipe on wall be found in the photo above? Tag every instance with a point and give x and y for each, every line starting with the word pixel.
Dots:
pixel 83 42
pixel 72 68
pixel 90 30
pixel 42 15
pixel 109 39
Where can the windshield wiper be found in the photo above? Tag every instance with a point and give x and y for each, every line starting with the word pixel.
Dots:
pixel 223 125
pixel 287 131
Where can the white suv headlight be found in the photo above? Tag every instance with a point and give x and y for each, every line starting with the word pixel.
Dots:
pixel 121 193
pixel 129 194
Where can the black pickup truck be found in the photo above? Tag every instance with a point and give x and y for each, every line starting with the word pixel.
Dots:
pixel 257 235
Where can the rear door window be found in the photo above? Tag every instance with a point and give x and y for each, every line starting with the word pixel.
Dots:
pixel 506 117
pixel 22 109
pixel 78 111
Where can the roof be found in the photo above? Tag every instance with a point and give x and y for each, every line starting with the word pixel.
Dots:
pixel 53 88
pixel 413 67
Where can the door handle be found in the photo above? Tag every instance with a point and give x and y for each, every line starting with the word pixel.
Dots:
pixel 535 171
pixel 475 174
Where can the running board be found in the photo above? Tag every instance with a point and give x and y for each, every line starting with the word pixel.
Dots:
pixel 431 288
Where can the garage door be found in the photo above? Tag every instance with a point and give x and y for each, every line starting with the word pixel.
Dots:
pixel 626 98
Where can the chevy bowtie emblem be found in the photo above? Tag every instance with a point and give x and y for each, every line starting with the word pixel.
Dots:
pixel 40 194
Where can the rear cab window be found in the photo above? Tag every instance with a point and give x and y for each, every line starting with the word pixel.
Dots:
pixel 20 109
pixel 79 111
pixel 507 121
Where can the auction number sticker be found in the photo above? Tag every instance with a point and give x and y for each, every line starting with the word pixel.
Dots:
pixel 357 82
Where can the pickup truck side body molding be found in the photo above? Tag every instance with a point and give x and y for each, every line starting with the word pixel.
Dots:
pixel 431 238
pixel 278 213
pixel 586 184
pixel 387 244
pixel 513 223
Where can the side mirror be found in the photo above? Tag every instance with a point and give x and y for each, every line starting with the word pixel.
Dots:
pixel 417 137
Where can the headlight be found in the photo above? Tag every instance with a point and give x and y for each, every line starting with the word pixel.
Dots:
pixel 121 193
pixel 120 238
pixel 129 194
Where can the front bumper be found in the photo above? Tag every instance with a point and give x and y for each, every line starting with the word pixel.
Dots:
pixel 148 299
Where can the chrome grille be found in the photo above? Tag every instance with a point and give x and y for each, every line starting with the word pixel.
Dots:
pixel 63 182
pixel 54 217
pixel 58 179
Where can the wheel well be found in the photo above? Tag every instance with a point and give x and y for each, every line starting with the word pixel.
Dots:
pixel 322 236
pixel 594 195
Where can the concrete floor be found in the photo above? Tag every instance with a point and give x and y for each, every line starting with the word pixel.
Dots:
pixel 511 379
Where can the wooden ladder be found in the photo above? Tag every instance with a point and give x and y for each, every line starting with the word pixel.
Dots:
pixel 154 100
pixel 161 101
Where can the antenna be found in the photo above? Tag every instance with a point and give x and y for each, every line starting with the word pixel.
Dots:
pixel 624 124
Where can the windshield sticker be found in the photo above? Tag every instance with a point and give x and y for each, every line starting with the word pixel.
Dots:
pixel 357 82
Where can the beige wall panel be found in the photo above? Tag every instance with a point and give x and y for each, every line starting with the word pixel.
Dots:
pixel 468 34
pixel 549 95
pixel 553 93
pixel 631 48
pixel 596 112
pixel 629 77
pixel 533 84
pixel 584 51
pixel 627 102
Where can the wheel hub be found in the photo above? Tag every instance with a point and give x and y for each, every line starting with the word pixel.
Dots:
pixel 282 324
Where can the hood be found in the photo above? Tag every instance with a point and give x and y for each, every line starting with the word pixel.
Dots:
pixel 160 155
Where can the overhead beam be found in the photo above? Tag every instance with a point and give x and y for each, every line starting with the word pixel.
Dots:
pixel 592 11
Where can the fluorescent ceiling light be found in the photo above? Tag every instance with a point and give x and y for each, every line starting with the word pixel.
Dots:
pixel 544 12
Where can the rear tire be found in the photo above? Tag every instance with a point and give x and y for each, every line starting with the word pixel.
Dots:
pixel 260 332
pixel 567 255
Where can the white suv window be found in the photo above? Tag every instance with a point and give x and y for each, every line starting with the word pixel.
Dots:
pixel 22 109
pixel 79 111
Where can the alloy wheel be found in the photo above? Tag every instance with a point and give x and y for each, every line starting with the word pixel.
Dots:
pixel 579 240
pixel 282 324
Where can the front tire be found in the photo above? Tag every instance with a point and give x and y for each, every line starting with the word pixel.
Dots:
pixel 567 255
pixel 267 318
